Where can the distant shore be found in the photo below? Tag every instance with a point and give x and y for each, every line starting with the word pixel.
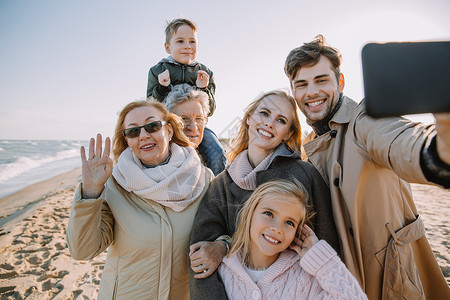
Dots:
pixel 35 260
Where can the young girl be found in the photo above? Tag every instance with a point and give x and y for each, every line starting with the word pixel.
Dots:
pixel 268 261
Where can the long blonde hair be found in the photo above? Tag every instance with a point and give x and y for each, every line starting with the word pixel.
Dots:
pixel 119 141
pixel 241 238
pixel 240 143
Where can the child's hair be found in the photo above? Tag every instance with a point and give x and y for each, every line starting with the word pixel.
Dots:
pixel 240 143
pixel 279 187
pixel 173 26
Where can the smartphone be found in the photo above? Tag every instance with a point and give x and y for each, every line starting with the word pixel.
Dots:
pixel 406 78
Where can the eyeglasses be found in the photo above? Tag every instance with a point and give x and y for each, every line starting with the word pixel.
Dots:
pixel 200 121
pixel 150 128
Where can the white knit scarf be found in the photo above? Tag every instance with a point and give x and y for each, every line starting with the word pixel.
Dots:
pixel 242 172
pixel 175 184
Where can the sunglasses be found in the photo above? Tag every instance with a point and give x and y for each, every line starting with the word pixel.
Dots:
pixel 150 128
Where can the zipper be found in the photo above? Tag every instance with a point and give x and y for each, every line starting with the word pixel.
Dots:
pixel 115 287
pixel 183 67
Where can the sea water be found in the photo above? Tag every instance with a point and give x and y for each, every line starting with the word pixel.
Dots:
pixel 23 163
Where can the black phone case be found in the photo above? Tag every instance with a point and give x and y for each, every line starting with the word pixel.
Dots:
pixel 406 78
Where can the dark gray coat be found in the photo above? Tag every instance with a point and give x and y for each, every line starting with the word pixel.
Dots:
pixel 218 210
pixel 179 73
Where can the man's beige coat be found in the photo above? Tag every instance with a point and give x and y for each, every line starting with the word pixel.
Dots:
pixel 368 163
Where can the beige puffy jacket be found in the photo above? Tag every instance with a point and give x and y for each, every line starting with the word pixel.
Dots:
pixel 149 243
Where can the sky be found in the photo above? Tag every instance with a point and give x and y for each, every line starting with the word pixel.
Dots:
pixel 68 67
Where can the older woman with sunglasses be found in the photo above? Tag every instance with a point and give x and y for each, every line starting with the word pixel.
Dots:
pixel 192 106
pixel 144 212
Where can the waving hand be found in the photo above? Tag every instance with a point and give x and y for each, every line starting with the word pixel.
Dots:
pixel 95 170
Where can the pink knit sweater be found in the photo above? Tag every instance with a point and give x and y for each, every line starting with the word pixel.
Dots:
pixel 320 274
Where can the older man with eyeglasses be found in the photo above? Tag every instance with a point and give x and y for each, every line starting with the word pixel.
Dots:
pixel 192 106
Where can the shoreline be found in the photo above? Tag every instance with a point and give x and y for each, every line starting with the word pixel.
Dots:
pixel 35 262
pixel 16 204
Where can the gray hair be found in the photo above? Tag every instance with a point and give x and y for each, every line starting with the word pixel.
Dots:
pixel 181 93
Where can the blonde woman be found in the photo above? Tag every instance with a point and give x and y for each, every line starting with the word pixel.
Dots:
pixel 267 146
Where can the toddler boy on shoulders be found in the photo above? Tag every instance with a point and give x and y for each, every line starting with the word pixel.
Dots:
pixel 180 67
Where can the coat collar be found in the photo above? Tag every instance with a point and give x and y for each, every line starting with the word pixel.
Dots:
pixel 169 59
pixel 282 151
pixel 345 112
pixel 342 116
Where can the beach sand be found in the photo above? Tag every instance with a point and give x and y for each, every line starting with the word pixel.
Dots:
pixel 35 262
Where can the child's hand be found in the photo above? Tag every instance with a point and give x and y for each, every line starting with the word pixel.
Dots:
pixel 202 79
pixel 304 240
pixel 164 78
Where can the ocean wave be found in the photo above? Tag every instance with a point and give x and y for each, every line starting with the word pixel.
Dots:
pixel 1 149
pixel 25 164
pixel 76 144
